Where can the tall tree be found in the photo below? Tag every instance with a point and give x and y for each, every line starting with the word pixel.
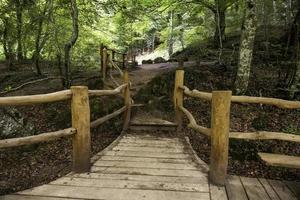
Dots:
pixel 246 47
pixel 19 16
pixel 71 42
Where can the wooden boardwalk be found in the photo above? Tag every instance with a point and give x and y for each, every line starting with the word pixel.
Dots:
pixel 144 167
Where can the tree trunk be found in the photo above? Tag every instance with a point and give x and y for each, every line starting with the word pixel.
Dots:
pixel 19 17
pixel 37 47
pixel 295 86
pixel 171 30
pixel 71 42
pixel 220 17
pixel 7 46
pixel 246 48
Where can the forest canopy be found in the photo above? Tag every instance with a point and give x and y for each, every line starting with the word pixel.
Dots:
pixel 72 31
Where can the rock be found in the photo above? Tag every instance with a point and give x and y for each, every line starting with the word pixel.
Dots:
pixel 12 124
pixel 159 60
pixel 147 61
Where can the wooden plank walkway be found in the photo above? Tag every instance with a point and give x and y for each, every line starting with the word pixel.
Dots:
pixel 144 167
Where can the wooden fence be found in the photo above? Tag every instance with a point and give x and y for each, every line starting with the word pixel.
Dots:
pixel 81 124
pixel 220 124
pixel 109 57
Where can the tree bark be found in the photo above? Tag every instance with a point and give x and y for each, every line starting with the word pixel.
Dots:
pixel 171 30
pixel 295 86
pixel 220 17
pixel 246 48
pixel 19 16
pixel 7 46
pixel 71 42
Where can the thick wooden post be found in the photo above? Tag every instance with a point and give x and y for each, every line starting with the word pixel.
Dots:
pixel 178 97
pixel 81 122
pixel 127 100
pixel 104 60
pixel 220 124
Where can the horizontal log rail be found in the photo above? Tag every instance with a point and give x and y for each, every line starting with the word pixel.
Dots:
pixel 193 124
pixel 245 99
pixel 97 93
pixel 265 135
pixel 36 99
pixel 258 135
pixel 108 117
pixel 44 137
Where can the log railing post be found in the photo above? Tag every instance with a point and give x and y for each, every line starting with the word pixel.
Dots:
pixel 104 60
pixel 113 53
pixel 220 124
pixel 81 122
pixel 127 100
pixel 178 96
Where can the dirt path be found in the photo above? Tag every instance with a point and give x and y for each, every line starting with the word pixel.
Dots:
pixel 147 72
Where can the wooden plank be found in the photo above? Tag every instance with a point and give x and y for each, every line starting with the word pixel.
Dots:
pixel 146 160
pixel 171 146
pixel 220 120
pixel 280 160
pixel 272 194
pixel 148 171
pixel 143 178
pixel 282 190
pixel 28 197
pixel 145 138
pixel 235 189
pixel 154 165
pixel 123 184
pixel 147 154
pixel 294 187
pixel 254 189
pixel 148 149
pixel 147 142
pixel 217 193
pixel 113 194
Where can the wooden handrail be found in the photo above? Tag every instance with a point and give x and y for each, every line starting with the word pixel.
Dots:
pixel 117 67
pixel 265 135
pixel 259 135
pixel 245 99
pixel 44 137
pixel 193 124
pixel 97 93
pixel 108 117
pixel 36 99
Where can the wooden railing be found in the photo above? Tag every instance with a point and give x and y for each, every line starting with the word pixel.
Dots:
pixel 108 57
pixel 220 122
pixel 81 124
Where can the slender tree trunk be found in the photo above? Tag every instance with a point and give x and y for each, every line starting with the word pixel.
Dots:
pixel 295 83
pixel 37 47
pixel 220 17
pixel 19 16
pixel 71 42
pixel 7 46
pixel 246 48
pixel 171 30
